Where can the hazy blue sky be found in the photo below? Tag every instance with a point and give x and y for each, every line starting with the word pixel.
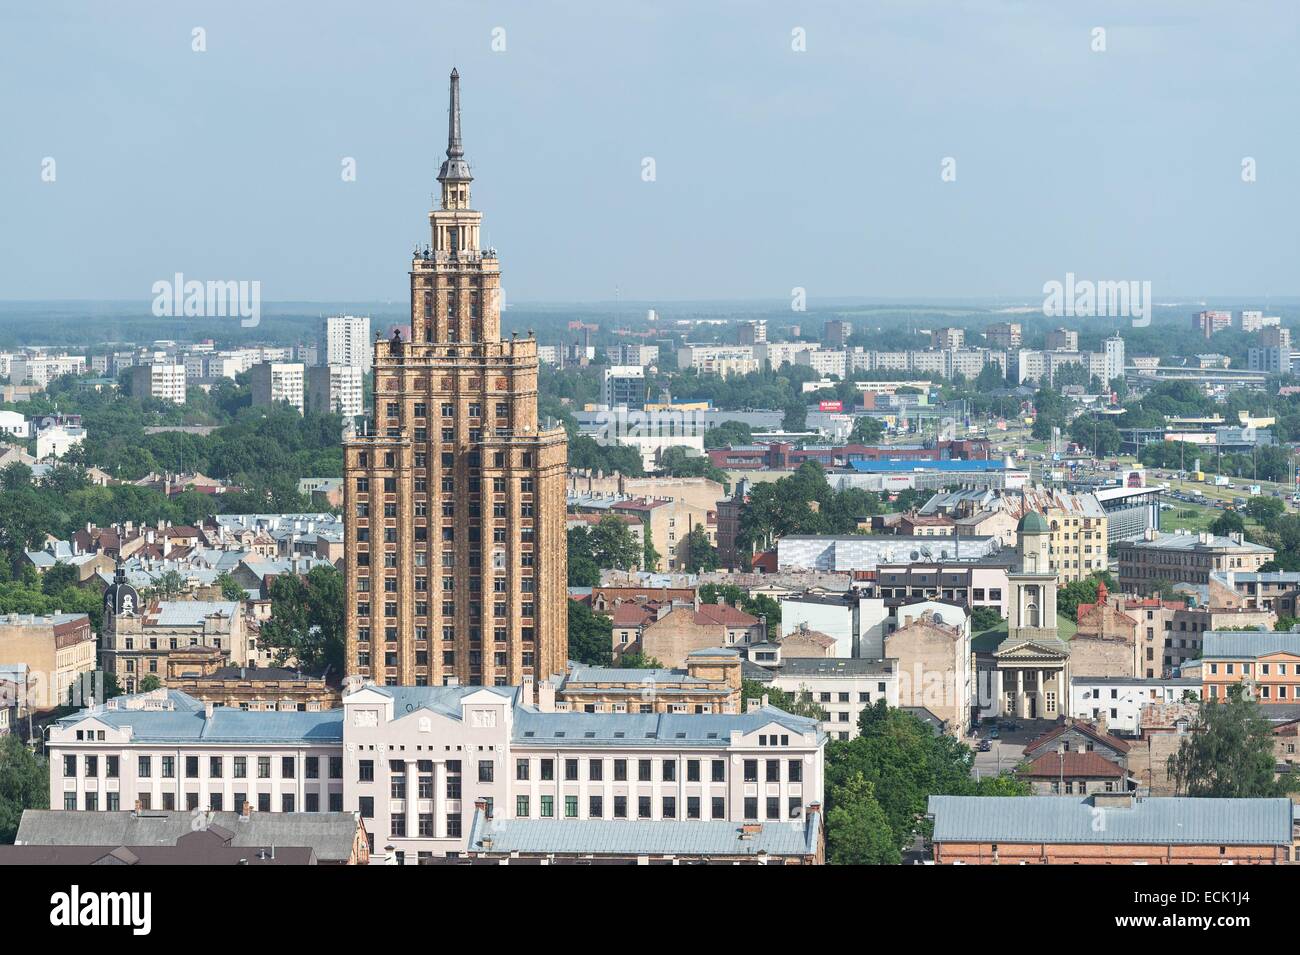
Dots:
pixel 775 169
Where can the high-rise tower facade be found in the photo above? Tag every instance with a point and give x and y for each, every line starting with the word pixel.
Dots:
pixel 456 560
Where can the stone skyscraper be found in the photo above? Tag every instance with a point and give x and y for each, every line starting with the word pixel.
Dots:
pixel 455 502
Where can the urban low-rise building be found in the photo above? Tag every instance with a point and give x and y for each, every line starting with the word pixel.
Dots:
pixel 1118 701
pixel 58 650
pixel 1110 829
pixel 1183 557
pixel 421 758
pixel 166 750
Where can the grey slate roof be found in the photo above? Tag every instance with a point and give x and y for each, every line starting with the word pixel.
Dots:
pixel 1246 645
pixel 1156 820
pixel 330 834
pixel 1192 542
pixel 832 667
pixel 651 729
pixel 190 613
pixel 187 722
pixel 641 837
pixel 443 700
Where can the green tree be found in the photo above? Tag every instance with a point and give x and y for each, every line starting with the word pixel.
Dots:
pixel 985 618
pixel 799 703
pixel 1265 510
pixel 701 556
pixel 613 545
pixel 907 762
pixel 24 784
pixel 591 635
pixel 638 661
pixel 57 578
pixel 727 434
pixel 150 683
pixel 1082 591
pixel 306 624
pixel 857 831
pixel 1228 753
pixel 1229 522
pixel 230 587
pixel 866 430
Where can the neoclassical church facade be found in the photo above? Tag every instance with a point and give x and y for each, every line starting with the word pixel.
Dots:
pixel 1030 678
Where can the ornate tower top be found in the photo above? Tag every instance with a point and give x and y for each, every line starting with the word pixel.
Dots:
pixel 454 168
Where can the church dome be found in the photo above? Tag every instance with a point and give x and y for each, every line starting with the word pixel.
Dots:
pixel 1032 523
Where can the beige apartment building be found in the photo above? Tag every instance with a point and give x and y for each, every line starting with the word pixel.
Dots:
pixel 1184 558
pixel 456 557
pixel 700 493
pixel 668 524
pixel 58 650
pixel 709 683
pixel 171 639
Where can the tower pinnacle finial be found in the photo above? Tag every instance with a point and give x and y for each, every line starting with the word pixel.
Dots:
pixel 455 168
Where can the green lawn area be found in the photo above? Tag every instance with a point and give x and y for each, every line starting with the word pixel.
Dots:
pixel 988 640
pixel 1188 517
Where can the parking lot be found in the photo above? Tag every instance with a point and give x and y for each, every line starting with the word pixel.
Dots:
pixel 1007 749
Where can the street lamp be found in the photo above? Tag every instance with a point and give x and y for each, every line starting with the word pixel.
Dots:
pixel 1060 752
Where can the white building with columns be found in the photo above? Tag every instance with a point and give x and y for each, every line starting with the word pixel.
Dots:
pixel 1030 678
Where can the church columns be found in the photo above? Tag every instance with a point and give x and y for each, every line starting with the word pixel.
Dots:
pixel 1020 692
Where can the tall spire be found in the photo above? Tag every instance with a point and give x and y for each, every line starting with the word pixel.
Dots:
pixel 455 168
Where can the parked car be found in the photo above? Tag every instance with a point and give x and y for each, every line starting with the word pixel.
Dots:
pixel 985 745
pixel 994 734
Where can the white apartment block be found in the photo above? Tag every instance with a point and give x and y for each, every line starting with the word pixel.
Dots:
pixel 166 382
pixel 278 381
pixel 721 360
pixel 824 361
pixel 1035 366
pixel 773 355
pixel 843 688
pixel 40 370
pixel 1119 700
pixel 640 355
pixel 347 341
pixel 336 389
pixel 14 424
pixel 57 440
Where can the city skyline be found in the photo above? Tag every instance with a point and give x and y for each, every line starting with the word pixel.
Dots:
pixel 774 168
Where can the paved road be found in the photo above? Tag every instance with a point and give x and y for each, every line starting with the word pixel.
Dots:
pixel 1008 748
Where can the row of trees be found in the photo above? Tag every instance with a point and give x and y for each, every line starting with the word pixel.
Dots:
pixel 879 783
pixel 783 507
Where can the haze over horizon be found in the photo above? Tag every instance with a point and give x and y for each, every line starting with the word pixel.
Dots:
pixel 773 168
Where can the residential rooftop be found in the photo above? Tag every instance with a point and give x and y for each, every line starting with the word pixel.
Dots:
pixel 1157 820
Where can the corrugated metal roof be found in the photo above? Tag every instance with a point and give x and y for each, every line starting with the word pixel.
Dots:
pixel 1247 644
pixel 190 613
pixel 641 837
pixel 1157 820
pixel 651 729
pixel 185 721
pixel 330 834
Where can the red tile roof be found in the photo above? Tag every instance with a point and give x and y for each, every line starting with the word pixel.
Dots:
pixel 1087 765
pixel 629 614
pixel 724 614
pixel 1114 742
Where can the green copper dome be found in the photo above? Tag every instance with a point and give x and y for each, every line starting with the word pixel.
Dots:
pixel 1032 523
